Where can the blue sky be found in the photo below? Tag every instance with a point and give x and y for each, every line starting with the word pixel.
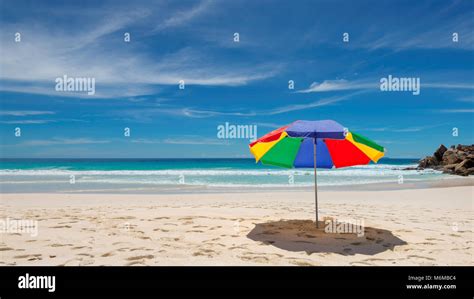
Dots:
pixel 242 83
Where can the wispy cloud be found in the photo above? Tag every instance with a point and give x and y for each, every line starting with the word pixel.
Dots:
pixel 103 90
pixel 427 39
pixel 268 125
pixel 64 141
pixel 311 105
pixel 399 130
pixel 374 84
pixel 196 140
pixel 26 122
pixel 335 85
pixel 25 112
pixel 120 69
pixel 183 140
pixel 440 85
pixel 428 31
pixel 147 115
pixel 197 113
pixel 184 17
pixel 384 142
pixel 412 129
pixel 147 141
pixel 468 99
pixel 467 110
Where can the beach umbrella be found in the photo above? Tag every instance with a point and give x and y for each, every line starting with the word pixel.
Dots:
pixel 315 144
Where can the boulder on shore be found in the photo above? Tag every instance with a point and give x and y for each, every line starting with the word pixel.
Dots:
pixel 440 152
pixel 458 160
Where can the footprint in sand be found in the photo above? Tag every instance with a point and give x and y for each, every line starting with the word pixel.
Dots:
pixel 360 264
pixel 236 247
pixel 125 218
pixel 421 257
pixel 86 262
pixel 217 244
pixel 140 257
pixel 30 257
pixel 301 263
pixel 205 252
pixel 85 254
pixel 78 247
pixel 215 227
pixel 36 258
pixel 255 258
pixel 139 248
pixel 59 245
pixel 67 222
pixel 135 263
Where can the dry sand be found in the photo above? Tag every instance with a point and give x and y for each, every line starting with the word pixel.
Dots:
pixel 402 227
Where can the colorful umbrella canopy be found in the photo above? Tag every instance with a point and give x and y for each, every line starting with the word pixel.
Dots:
pixel 292 146
pixel 323 144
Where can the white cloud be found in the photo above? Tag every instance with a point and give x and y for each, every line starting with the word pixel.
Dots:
pixel 399 130
pixel 103 90
pixel 26 121
pixel 314 104
pixel 24 112
pixel 46 52
pixel 184 17
pixel 147 141
pixel 374 84
pixel 147 115
pixel 64 141
pixel 468 99
pixel 183 140
pixel 197 113
pixel 269 125
pixel 440 85
pixel 468 110
pixel 334 85
pixel 421 30
pixel 196 140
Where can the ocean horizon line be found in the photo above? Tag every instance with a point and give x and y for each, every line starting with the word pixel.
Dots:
pixel 186 158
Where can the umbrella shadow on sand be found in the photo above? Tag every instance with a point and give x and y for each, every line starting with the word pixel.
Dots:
pixel 302 235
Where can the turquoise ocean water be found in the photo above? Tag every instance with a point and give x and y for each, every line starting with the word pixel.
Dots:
pixel 168 175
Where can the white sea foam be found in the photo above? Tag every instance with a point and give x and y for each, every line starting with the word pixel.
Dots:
pixel 369 170
pixel 59 178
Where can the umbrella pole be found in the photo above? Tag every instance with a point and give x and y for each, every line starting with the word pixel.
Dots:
pixel 315 184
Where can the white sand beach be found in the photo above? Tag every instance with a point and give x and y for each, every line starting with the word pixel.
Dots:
pixel 402 227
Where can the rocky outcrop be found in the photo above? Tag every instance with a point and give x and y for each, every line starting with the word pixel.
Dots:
pixel 457 160
pixel 440 152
